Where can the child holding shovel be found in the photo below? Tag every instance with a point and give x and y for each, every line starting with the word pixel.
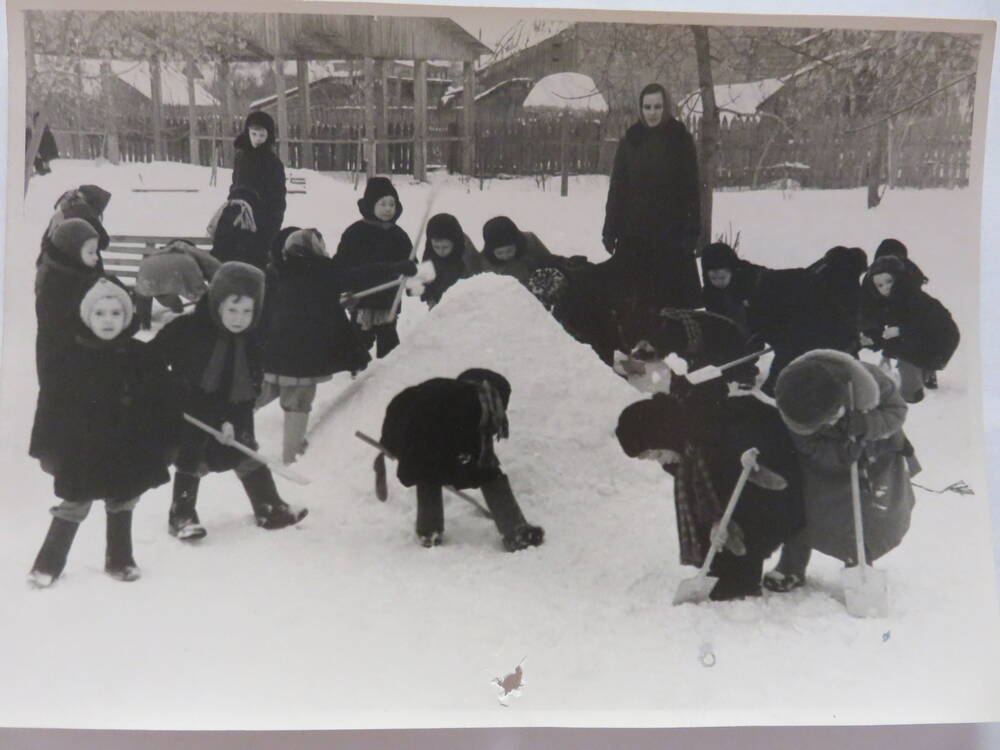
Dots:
pixel 441 432
pixel 702 443
pixel 215 356
pixel 814 394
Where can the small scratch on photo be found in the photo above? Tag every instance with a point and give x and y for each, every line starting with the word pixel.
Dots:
pixel 510 685
pixel 886 636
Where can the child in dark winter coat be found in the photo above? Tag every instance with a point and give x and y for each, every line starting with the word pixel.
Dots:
pixel 234 230
pixel 728 282
pixel 906 324
pixel 87 202
pixel 701 445
pixel 442 431
pixel 796 310
pixel 452 253
pixel 308 336
pixel 509 251
pixel 258 168
pixel 890 246
pixel 215 356
pixel 69 266
pixel 106 428
pixel 841 411
pixel 376 238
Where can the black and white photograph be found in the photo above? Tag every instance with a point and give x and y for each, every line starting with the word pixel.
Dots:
pixel 439 366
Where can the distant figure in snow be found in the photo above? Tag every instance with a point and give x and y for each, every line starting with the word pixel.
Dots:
pixel 215 357
pixel 653 213
pixel 376 238
pixel 906 324
pixel 47 148
pixel 814 394
pixel 442 432
pixel 453 254
pixel 106 428
pixel 258 168
pixel 307 334
pixel 701 443
pixel 510 252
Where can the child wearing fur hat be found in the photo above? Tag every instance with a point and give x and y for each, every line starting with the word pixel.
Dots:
pixel 177 270
pixel 906 324
pixel 452 253
pixel 441 432
pixel 68 268
pixel 509 251
pixel 701 444
pixel 258 168
pixel 308 336
pixel 841 411
pixel 215 355
pixel 87 202
pixel 106 428
pixel 376 238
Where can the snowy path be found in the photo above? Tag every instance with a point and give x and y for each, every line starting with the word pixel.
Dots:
pixel 345 621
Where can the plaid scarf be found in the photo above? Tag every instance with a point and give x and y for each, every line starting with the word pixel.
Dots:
pixel 492 421
pixel 241 387
pixel 244 220
pixel 697 505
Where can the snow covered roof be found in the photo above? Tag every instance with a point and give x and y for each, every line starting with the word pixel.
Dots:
pixel 561 91
pixel 734 100
pixel 454 91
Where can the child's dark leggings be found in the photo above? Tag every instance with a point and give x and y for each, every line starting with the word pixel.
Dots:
pixel 499 499
pixel 386 339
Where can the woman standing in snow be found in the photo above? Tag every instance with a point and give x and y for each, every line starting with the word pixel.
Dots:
pixel 841 411
pixel 653 213
pixel 257 167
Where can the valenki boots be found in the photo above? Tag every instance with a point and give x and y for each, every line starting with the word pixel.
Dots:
pixel 517 533
pixel 294 443
pixel 269 509
pixel 52 556
pixel 118 560
pixel 183 521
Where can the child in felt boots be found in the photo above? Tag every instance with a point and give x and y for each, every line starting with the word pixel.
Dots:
pixel 215 355
pixel 375 238
pixel 907 324
pixel 308 336
pixel 441 432
pixel 106 428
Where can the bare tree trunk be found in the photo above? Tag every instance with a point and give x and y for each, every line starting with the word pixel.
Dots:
pixel 876 163
pixel 469 119
pixel 420 120
pixel 112 150
pixel 156 93
pixel 302 75
pixel 708 140
pixel 193 155
pixel 369 140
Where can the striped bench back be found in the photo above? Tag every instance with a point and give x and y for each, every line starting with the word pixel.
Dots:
pixel 126 251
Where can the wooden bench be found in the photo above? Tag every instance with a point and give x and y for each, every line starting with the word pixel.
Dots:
pixel 126 251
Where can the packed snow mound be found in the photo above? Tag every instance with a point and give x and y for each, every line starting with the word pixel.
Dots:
pixel 564 403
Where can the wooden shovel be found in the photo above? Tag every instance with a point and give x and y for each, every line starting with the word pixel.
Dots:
pixel 697 588
pixel 866 591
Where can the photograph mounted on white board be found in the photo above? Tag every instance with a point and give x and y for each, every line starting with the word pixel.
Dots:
pixel 474 367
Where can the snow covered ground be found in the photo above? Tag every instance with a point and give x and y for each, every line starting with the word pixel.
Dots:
pixel 346 622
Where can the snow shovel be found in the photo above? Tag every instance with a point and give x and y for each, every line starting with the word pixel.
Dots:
pixel 866 591
pixel 413 253
pixel 697 588
pixel 288 474
pixel 710 372
pixel 381 479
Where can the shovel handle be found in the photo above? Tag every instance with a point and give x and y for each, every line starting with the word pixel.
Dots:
pixel 859 529
pixel 468 498
pixel 279 470
pixel 709 371
pixel 728 513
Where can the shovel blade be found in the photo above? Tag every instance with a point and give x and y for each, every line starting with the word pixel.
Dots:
pixel 704 374
pixel 866 591
pixel 695 590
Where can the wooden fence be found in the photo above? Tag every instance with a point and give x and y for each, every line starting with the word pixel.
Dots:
pixel 833 153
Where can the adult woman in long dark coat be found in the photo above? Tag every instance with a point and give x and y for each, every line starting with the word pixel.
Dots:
pixel 653 214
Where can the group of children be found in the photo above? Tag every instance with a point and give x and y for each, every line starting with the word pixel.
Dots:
pixel 275 314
